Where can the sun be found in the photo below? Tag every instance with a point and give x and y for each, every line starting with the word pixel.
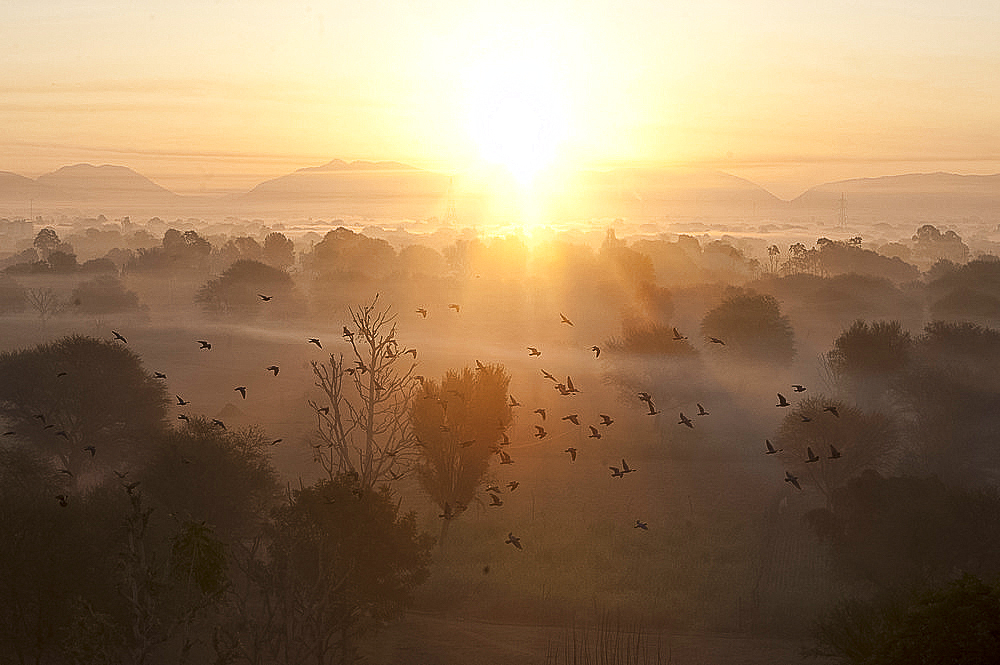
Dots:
pixel 516 111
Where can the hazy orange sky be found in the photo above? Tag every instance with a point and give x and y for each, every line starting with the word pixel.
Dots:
pixel 210 96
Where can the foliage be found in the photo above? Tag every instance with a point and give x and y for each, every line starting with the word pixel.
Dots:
pixel 344 252
pixel 278 251
pixel 96 392
pixel 236 291
pixel 363 423
pixel 956 623
pixel 930 245
pixel 835 257
pixel 869 357
pixel 105 295
pixel 899 531
pixel 13 296
pixel 459 424
pixel 752 325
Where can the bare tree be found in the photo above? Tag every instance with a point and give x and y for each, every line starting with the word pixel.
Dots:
pixel 363 424
pixel 46 302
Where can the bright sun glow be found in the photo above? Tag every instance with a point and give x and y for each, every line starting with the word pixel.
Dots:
pixel 516 111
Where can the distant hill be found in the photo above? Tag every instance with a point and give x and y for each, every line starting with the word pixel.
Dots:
pixel 14 187
pixel 914 197
pixel 89 181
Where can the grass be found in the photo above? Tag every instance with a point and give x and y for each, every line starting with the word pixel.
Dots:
pixel 608 642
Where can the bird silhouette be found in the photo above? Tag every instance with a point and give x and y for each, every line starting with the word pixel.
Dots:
pixel 606 419
pixel 514 402
pixel 833 410
pixel 685 421
pixel 447 514
pixel 204 344
pixel 455 307
pixel 834 453
pixel 573 418
pixel 540 412
pixel 596 350
pixel 422 312
pixel 532 351
pixel 594 434
pixel 504 439
pixel 263 297
pixel 770 449
pixel 348 334
pixel 572 453
pixel 505 458
pixel 276 442
pixel 540 432
pixel 325 410
pixel 811 456
pixel 569 385
pixel 652 409
pixel 495 500
pixel 91 449
pixel 184 418
pixel 625 467
pixel 797 388
pixel 549 376
pixel 805 418
pixel 181 401
pixel 273 368
pixel 641 525
pixel 9 432
pixel 564 319
pixel 216 421
pixel 62 498
pixel 313 340
pixel 513 540
pixel 159 375
pixel 677 335
pixel 118 336
pixel 513 485
pixel 63 433
pixel 242 390
pixel 794 480
pixel 616 472
pixel 492 488
pixel 480 366
pixel 782 401
pixel 716 340
pixel 701 410
pixel 466 444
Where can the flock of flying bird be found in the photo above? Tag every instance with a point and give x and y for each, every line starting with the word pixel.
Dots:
pixel 566 388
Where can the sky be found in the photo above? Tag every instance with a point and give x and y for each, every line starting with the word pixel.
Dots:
pixel 217 96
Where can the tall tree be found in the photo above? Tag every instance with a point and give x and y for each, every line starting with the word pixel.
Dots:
pixel 363 422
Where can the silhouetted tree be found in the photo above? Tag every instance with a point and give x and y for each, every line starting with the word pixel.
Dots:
pixel 46 303
pixel 752 325
pixel 337 562
pixel 279 251
pixel 459 423
pixel 363 426
pixel 869 358
pixel 236 291
pixel 46 241
pixel 930 245
pixel 94 392
pixel 13 296
pixel 104 295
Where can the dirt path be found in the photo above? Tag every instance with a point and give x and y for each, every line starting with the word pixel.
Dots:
pixel 426 639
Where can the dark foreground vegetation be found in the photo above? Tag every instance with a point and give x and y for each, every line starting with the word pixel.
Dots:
pixel 234 449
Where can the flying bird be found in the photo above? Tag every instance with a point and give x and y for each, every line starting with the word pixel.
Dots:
pixel 573 418
pixel 594 434
pixel 63 433
pixel 455 307
pixel 505 458
pixel 540 412
pixel 572 453
pixel 794 480
pixel 204 344
pixel 513 540
pixel 564 319
pixel 569 385
pixel 181 401
pixel 797 388
pixel 273 368
pixel 242 390
pixel 685 421
pixel 263 297
pixel 540 433
pixel 118 336
pixel 678 336
pixel 782 401
pixel 702 411
pixel 348 335
pixel 832 409
pixel 216 421
pixel 606 419
pixel 770 449
pixel 811 456
pixel 276 442
pixel 422 312
pixel 596 350
pixel 184 418
pixel 159 375
pixel 805 418
pixel 625 467
pixel 90 449
pixel 652 409
pixel 313 340
pixel 495 500
pixel 716 340
pixel 549 376
pixel 448 513
pixel 532 351
pixel 514 402
pixel 62 500
pixel 616 472
pixel 834 453
pixel 480 366
pixel 513 485
pixel 641 525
